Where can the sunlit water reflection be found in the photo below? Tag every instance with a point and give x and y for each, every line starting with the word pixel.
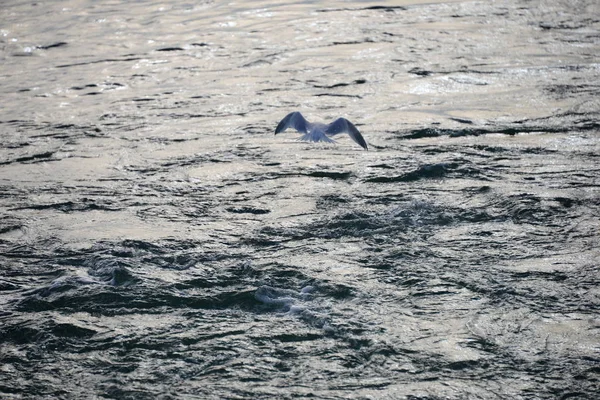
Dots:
pixel 158 241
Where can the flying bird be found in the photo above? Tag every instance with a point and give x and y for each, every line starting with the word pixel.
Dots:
pixel 319 132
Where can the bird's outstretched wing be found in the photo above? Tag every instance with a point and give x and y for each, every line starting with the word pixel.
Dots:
pixel 293 120
pixel 342 125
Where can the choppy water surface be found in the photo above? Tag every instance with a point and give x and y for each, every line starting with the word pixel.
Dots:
pixel 157 241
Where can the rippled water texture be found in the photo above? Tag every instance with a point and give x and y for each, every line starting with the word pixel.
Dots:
pixel 157 241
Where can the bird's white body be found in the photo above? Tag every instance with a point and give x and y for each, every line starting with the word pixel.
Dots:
pixel 317 133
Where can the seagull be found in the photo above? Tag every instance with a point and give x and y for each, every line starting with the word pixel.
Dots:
pixel 319 132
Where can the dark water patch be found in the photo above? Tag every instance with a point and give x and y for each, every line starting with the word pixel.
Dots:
pixel 425 72
pixel 226 276
pixel 273 89
pixel 44 157
pixel 386 8
pixel 276 274
pixel 9 224
pixel 349 224
pixel 46 334
pixel 436 132
pixel 462 121
pixel 271 237
pixel 22 333
pixel 90 85
pixel 499 288
pixel 338 95
pixel 352 42
pixel 537 150
pixel 396 220
pixel 248 210
pixel 6 285
pixel 167 254
pixel 563 91
pixel 567 202
pixel 170 49
pixel 306 337
pixel 216 335
pixel 114 272
pixel 142 100
pixel 520 127
pixel 434 171
pixel 331 201
pixel 567 24
pixel 337 291
pixel 382 166
pixel 502 291
pixel 568 121
pixel 52 46
pixel 121 391
pixel 83 205
pixel 478 189
pixel 336 85
pixel 107 301
pixel 222 156
pixel 16 250
pixel 491 149
pixel 329 174
pixel 108 266
pixel 373 8
pixel 257 63
pixel 420 71
pixel 527 208
pixel 107 60
pixel 30 136
pixel 71 331
pixel 311 173
pixel 18 144
pixel 20 122
pixel 426 171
